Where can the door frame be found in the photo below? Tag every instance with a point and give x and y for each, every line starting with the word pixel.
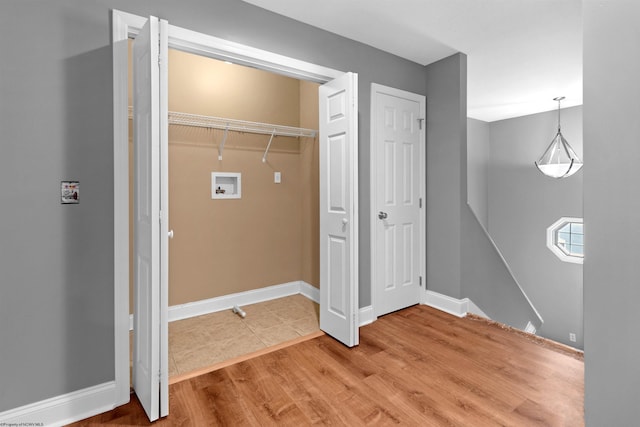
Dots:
pixel 125 26
pixel 421 99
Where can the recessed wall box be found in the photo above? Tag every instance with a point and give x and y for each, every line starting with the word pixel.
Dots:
pixel 226 185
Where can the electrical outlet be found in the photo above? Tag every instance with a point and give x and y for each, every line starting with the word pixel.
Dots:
pixel 572 337
pixel 277 177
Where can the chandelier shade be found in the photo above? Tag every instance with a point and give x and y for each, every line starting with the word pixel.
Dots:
pixel 559 160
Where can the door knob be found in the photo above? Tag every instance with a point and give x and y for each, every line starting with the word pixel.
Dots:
pixel 170 234
pixel 382 215
pixel 345 221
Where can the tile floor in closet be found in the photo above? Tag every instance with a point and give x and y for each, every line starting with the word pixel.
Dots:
pixel 203 341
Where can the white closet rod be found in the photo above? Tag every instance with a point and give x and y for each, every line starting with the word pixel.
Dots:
pixel 210 122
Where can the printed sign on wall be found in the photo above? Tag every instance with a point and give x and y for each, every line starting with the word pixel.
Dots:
pixel 70 192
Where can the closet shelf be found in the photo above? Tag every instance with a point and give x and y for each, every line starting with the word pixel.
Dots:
pixel 210 122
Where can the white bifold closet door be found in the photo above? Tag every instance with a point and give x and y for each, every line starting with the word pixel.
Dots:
pixel 338 214
pixel 338 208
pixel 150 124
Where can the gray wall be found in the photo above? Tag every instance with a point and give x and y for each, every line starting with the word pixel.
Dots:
pixel 56 121
pixel 487 280
pixel 462 261
pixel 523 203
pixel 611 206
pixel 446 173
pixel 56 261
pixel 478 138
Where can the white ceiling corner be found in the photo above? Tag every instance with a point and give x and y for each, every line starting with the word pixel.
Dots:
pixel 520 53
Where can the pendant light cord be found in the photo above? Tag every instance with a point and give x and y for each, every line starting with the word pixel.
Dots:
pixel 559 99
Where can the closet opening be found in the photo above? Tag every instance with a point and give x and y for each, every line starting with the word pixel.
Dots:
pixel 243 209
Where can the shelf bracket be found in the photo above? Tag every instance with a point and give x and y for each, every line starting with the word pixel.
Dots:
pixel 224 140
pixel 264 156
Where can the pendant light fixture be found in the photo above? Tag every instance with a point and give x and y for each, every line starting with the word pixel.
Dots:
pixel 559 160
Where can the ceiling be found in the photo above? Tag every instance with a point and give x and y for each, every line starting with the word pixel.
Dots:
pixel 520 53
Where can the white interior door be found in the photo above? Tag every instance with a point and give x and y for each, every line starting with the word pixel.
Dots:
pixel 150 116
pixel 339 209
pixel 398 145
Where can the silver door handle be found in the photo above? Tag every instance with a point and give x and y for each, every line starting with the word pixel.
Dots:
pixel 170 234
pixel 382 215
pixel 345 221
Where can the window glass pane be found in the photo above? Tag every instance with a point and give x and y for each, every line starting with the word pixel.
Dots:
pixel 563 238
pixel 577 239
pixel 565 228
pixel 577 228
pixel 577 250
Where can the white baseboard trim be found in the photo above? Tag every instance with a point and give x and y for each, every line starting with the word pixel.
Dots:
pixel 310 291
pixel 530 328
pixel 457 307
pixel 366 316
pixel 64 409
pixel 226 302
pixel 474 309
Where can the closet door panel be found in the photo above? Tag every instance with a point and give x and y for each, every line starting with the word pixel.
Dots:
pixel 150 351
pixel 338 209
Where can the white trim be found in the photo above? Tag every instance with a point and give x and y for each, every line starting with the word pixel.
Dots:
pixel 124 26
pixel 64 409
pixel 366 315
pixel 446 303
pixel 128 25
pixel 226 302
pixel 474 309
pixel 310 291
pixel 214 47
pixel 421 100
pixel 457 307
pixel 530 328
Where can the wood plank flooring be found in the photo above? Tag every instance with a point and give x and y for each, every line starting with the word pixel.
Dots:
pixel 418 366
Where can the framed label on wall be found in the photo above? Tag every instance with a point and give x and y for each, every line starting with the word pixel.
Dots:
pixel 70 192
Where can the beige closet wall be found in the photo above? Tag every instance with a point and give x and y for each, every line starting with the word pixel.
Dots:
pixel 270 235
pixel 309 179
